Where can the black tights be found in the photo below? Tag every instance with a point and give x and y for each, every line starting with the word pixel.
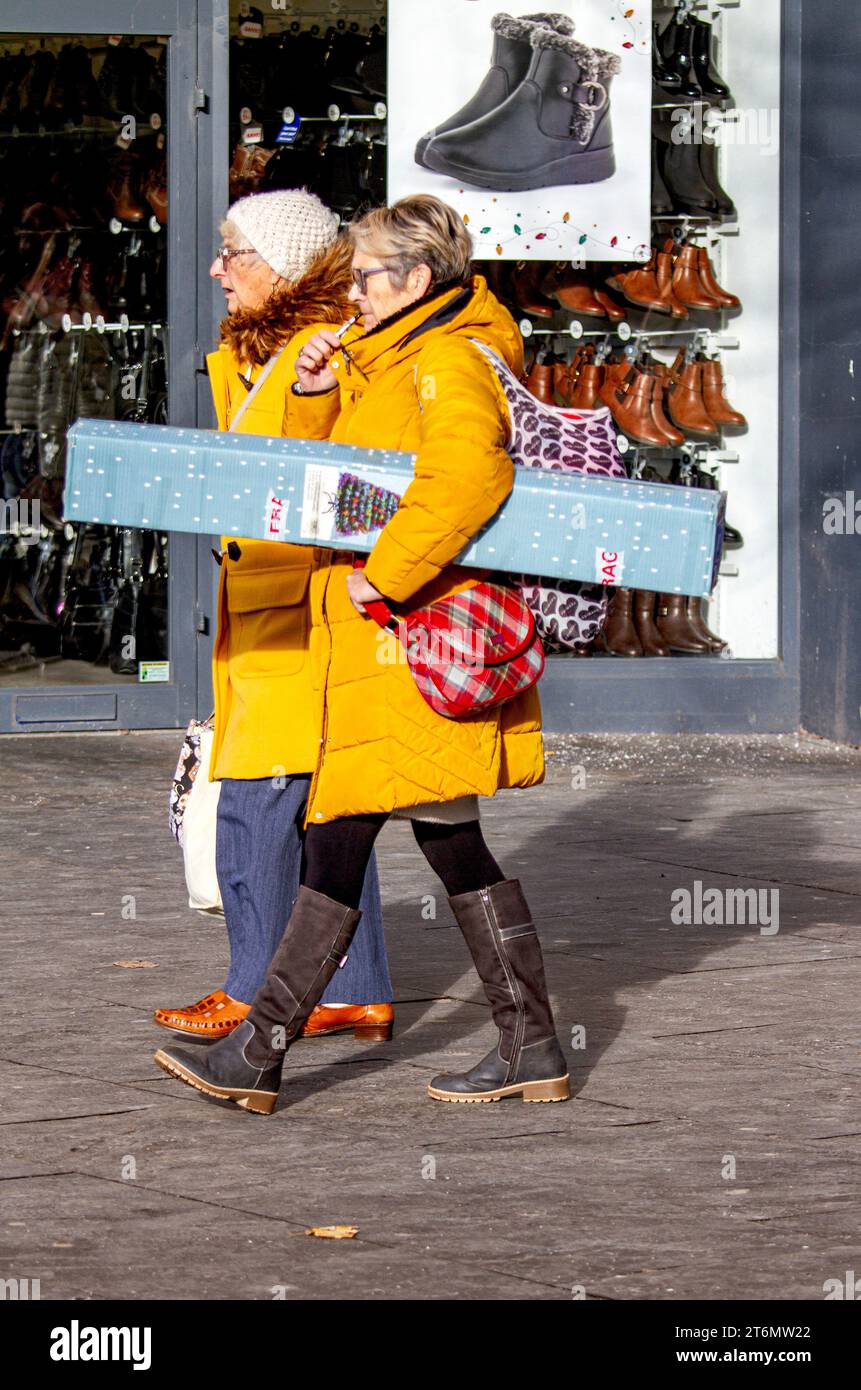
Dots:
pixel 335 856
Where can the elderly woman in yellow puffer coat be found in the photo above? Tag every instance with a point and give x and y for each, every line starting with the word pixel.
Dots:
pixel 412 380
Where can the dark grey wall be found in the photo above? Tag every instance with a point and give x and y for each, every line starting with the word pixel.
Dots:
pixel 830 366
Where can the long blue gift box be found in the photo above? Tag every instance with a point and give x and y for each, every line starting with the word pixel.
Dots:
pixel 572 526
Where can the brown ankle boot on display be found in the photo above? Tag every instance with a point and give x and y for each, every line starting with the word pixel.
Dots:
pixel 585 392
pixel 640 287
pixel 567 374
pixel 527 291
pixel 700 628
pixel 563 376
pixel 630 400
pixel 87 299
pixel 644 622
pixel 619 637
pixel 574 291
pixel 123 190
pixel 612 310
pixel 716 403
pixel 685 403
pixel 540 382
pixel 687 285
pixel 154 189
pixel 708 280
pixel 659 419
pixel 674 626
pixel 664 277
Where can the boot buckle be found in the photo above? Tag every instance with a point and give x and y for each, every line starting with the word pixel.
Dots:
pixel 605 96
pixel 578 91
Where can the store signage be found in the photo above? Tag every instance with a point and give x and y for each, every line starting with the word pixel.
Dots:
pixel 252 134
pixel 153 672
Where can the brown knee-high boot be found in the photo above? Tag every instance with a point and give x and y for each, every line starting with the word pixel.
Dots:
pixel 245 1067
pixel 528 1061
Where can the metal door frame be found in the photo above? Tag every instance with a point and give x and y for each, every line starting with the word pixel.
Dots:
pixel 197 35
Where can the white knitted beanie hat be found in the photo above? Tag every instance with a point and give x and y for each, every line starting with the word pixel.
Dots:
pixel 288 228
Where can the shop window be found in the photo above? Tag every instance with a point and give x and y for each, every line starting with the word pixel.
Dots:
pixel 83 214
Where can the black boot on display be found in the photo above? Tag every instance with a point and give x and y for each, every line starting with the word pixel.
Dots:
pixel 554 129
pixel 714 88
pixel 678 163
pixel 662 203
pixel 708 161
pixel 527 1061
pixel 245 1067
pixel 509 64
pixel 676 45
pixel 666 84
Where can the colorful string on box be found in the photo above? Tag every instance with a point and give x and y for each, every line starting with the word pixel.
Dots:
pixel 361 507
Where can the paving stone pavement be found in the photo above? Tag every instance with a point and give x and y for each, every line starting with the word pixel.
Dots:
pixel 712 1149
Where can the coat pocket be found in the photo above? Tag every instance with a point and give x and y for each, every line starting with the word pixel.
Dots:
pixel 281 587
pixel 269 621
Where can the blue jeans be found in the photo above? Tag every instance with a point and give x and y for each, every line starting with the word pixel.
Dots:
pixel 258 852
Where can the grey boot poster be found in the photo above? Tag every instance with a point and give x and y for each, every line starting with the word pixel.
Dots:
pixel 535 126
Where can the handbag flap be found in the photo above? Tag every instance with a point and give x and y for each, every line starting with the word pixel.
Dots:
pixel 487 625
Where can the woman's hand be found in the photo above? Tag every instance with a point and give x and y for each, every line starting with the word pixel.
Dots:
pixel 312 365
pixel 361 591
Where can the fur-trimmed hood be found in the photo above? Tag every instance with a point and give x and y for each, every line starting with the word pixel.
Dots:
pixel 522 29
pixel 254 335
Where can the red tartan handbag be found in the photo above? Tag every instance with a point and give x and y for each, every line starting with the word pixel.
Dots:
pixel 470 651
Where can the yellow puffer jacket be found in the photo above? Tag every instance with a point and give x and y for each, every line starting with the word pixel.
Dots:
pixel 266 720
pixel 417 384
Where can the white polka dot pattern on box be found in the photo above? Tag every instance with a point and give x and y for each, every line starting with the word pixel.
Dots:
pixel 573 526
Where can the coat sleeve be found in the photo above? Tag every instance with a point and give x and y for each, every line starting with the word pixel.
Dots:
pixel 463 473
pixel 307 417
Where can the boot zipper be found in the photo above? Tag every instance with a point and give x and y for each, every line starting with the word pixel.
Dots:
pixel 520 1025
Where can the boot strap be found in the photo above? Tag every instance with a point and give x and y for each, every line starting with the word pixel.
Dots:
pixel 581 94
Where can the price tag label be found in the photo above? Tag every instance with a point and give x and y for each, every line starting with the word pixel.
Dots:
pixel 252 135
pixel 288 132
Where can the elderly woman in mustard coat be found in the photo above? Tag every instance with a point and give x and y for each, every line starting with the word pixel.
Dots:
pixel 285 274
pixel 411 380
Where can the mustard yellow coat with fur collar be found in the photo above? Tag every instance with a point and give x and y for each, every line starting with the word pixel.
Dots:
pixel 267 719
pixel 417 384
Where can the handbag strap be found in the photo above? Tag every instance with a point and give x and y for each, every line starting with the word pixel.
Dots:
pixel 270 366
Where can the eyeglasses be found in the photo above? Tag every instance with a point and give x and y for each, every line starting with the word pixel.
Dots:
pixel 225 254
pixel 360 277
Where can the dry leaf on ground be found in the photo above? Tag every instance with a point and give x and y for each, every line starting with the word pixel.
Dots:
pixel 333 1232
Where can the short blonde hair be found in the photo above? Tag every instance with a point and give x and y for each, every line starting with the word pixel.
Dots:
pixel 422 230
